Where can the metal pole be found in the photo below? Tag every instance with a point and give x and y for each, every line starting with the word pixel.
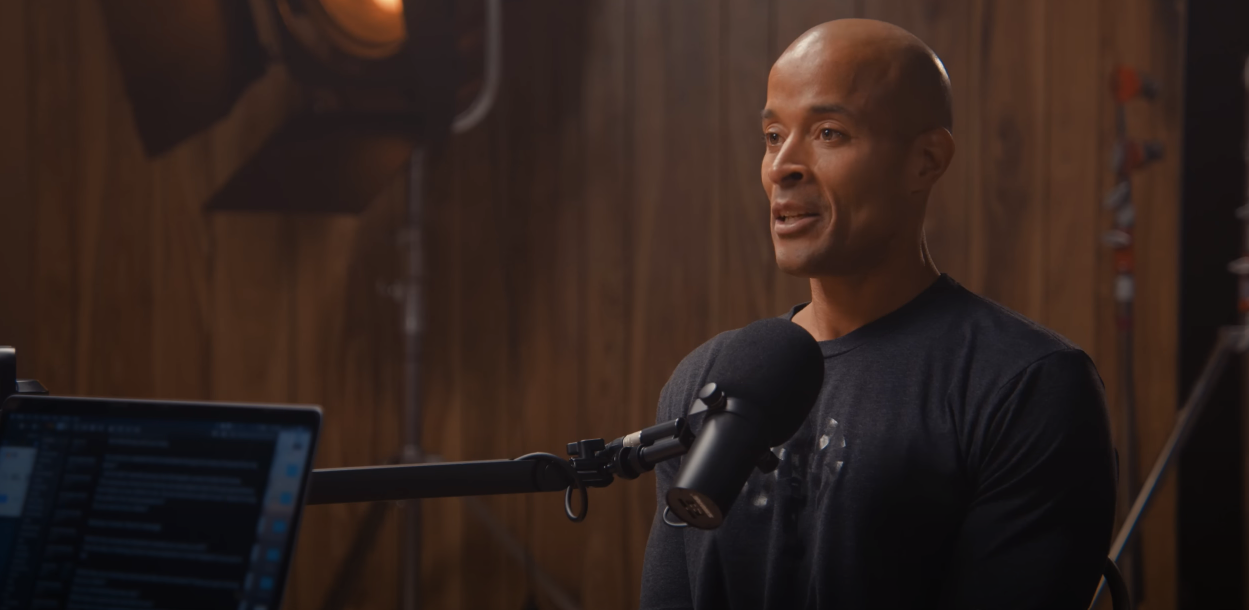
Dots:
pixel 1127 157
pixel 1240 266
pixel 1231 339
pixel 414 294
pixel 1124 259
pixel 413 332
pixel 1130 458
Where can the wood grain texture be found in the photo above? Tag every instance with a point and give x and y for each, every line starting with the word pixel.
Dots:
pixel 54 163
pixel 613 546
pixel 972 149
pixel 549 362
pixel 1074 185
pixel 1014 141
pixel 1148 35
pixel 604 220
pixel 115 246
pixel 793 17
pixel 17 207
pixel 445 522
pixel 119 285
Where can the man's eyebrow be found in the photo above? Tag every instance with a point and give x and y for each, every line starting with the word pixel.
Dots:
pixel 831 109
pixel 768 113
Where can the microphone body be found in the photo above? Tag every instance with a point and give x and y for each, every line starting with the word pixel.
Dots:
pixel 763 385
pixel 725 451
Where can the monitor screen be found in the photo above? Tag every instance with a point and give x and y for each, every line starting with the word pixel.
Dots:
pixel 136 506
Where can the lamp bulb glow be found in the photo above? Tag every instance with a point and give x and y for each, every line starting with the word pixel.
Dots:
pixel 390 6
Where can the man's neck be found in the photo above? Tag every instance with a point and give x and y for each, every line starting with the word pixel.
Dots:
pixel 842 304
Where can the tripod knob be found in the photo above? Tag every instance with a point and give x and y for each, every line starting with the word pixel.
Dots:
pixel 586 448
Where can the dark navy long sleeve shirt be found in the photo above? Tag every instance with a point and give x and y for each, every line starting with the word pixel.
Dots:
pixel 959 456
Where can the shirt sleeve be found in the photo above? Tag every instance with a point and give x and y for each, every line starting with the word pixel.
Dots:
pixel 1038 527
pixel 665 572
pixel 665 576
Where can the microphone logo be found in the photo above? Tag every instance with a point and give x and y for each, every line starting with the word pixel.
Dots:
pixel 695 508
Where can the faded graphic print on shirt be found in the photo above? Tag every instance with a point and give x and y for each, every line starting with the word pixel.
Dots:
pixel 813 457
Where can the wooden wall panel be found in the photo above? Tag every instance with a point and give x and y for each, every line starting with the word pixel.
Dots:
pixel 614 539
pixel 317 273
pixel 116 283
pixel 181 279
pixel 252 285
pixel 1076 163
pixel 53 156
pixel 604 220
pixel 970 146
pixel 344 354
pixel 1146 35
pixel 545 190
pixel 444 520
pixel 793 17
pixel 486 394
pixel 114 242
pixel 676 108
pixel 1014 144
pixel 17 207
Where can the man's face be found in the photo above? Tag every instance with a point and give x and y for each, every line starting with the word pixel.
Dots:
pixel 833 166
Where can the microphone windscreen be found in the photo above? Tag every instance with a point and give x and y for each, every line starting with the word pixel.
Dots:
pixel 774 365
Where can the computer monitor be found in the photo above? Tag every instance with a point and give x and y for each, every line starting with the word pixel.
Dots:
pixel 135 505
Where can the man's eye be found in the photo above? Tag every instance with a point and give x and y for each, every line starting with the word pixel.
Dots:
pixel 829 133
pixel 772 138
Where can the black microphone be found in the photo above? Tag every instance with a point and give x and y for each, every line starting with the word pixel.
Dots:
pixel 763 385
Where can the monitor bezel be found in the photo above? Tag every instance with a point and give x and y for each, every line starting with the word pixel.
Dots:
pixel 259 413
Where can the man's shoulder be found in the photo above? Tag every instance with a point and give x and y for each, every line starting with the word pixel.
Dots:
pixel 996 332
pixel 688 376
pixel 997 344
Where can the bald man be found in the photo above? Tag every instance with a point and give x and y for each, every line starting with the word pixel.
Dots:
pixel 959 455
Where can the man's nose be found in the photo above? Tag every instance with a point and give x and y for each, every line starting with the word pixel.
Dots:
pixel 786 169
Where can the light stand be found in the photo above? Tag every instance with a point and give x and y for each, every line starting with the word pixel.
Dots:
pixel 1231 340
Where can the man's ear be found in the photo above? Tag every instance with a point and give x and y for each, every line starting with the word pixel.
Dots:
pixel 930 157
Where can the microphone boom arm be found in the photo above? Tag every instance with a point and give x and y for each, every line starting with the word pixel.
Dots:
pixel 410 481
pixel 593 464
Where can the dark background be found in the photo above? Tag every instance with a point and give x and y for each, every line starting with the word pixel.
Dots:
pixel 1211 507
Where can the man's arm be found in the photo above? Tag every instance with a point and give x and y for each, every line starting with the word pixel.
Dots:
pixel 665 573
pixel 665 577
pixel 1039 522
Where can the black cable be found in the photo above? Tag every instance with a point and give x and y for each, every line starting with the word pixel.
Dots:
pixel 572 474
pixel 585 499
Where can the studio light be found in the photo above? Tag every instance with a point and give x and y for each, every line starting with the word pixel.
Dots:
pixel 379 77
pixel 361 29
pixel 369 28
